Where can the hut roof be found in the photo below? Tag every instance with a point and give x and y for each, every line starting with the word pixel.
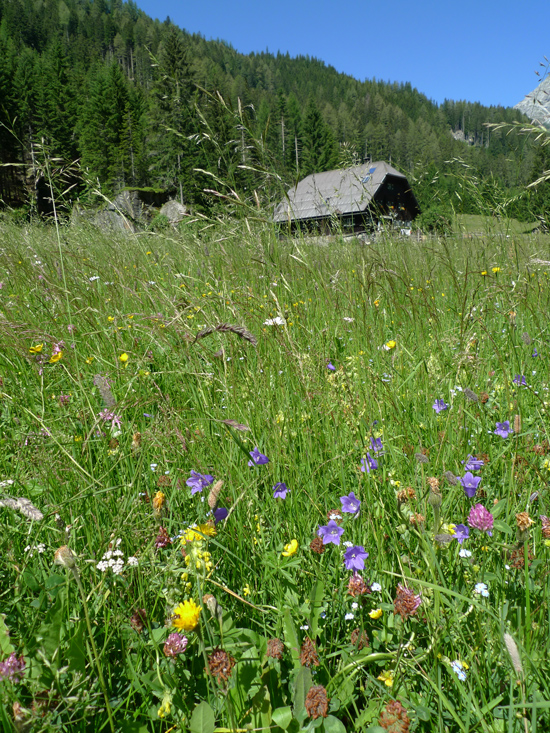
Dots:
pixel 337 192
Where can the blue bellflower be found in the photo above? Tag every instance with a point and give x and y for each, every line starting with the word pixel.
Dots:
pixel 331 532
pixel 280 490
pixel 368 464
pixel 503 429
pixel 199 481
pixel 354 558
pixel 258 459
pixel 350 504
pixel 470 483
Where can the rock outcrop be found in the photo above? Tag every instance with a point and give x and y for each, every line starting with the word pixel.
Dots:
pixel 536 105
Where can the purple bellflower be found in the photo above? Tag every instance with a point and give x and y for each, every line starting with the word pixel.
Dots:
pixel 439 406
pixel 368 464
pixel 520 380
pixel 470 483
pixel 258 459
pixel 461 533
pixel 220 514
pixel 503 429
pixel 280 490
pixel 331 532
pixel 376 445
pixel 473 464
pixel 354 557
pixel 331 367
pixel 198 481
pixel 350 504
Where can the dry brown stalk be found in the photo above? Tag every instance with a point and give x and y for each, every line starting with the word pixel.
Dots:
pixel 240 331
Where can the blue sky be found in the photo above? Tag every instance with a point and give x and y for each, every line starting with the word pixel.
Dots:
pixel 480 50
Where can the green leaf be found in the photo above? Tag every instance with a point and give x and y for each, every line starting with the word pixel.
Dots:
pixel 422 713
pixel 260 712
pixel 301 688
pixel 376 729
pixel 282 717
pixel 333 725
pixel 49 633
pixel 316 599
pixel 202 720
pixel 132 727
pixel 31 581
pixel 291 637
pixel 5 646
pixel 76 653
pixel 501 526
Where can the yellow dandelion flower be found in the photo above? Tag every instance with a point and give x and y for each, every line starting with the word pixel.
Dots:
pixel 123 358
pixel 290 549
pixel 375 613
pixel 386 677
pixel 496 269
pixel 186 616
pixel 54 358
pixel 36 349
pixel 198 532
pixel 389 345
pixel 484 272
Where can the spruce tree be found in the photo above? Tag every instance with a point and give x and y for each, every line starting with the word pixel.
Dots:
pixel 319 148
pixel 172 116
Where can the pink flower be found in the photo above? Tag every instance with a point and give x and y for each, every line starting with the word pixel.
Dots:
pixel 481 518
pixel 109 416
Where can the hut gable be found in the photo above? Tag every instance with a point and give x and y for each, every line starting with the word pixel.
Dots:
pixel 354 195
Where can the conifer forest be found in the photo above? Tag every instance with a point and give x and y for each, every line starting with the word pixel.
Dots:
pixel 116 99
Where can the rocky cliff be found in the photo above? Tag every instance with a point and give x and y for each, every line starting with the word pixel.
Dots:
pixel 536 105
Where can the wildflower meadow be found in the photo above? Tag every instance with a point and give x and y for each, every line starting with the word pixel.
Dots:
pixel 253 483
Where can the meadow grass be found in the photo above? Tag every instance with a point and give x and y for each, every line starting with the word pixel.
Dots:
pixel 129 361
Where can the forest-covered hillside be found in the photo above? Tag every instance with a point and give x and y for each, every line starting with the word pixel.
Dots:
pixel 143 103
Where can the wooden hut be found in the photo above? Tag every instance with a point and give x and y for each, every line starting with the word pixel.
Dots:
pixel 356 199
